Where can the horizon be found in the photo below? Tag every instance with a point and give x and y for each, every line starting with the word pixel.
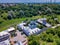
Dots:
pixel 29 1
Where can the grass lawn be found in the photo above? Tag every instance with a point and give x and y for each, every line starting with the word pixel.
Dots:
pixel 58 17
pixel 14 22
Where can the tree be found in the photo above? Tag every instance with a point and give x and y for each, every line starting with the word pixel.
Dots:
pixel 33 40
pixel 34 43
pixel 9 17
pixel 51 31
pixel 58 42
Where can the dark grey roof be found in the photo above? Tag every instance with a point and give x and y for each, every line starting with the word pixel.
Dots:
pixel 4 37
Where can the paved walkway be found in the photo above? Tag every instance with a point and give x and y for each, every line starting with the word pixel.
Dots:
pixel 19 37
pixel 22 38
pixel 56 26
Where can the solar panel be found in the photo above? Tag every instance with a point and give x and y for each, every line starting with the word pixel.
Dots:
pixel 3 38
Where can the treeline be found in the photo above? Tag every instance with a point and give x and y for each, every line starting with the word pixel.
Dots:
pixel 27 10
pixel 49 37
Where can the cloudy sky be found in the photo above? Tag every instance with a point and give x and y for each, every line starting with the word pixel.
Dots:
pixel 20 1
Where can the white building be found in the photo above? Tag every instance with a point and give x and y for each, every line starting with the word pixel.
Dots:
pixel 27 30
pixel 11 29
pixel 4 38
pixel 18 38
pixel 43 21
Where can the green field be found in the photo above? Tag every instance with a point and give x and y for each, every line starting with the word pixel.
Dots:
pixel 13 15
pixel 14 22
pixel 6 24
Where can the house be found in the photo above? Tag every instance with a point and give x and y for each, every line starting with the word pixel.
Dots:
pixel 4 38
pixel 43 21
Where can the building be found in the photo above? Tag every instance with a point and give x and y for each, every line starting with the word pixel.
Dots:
pixel 32 24
pixel 21 26
pixel 31 28
pixel 22 38
pixel 16 38
pixel 12 37
pixel 19 39
pixel 4 38
pixel 11 30
pixel 27 30
pixel 43 21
